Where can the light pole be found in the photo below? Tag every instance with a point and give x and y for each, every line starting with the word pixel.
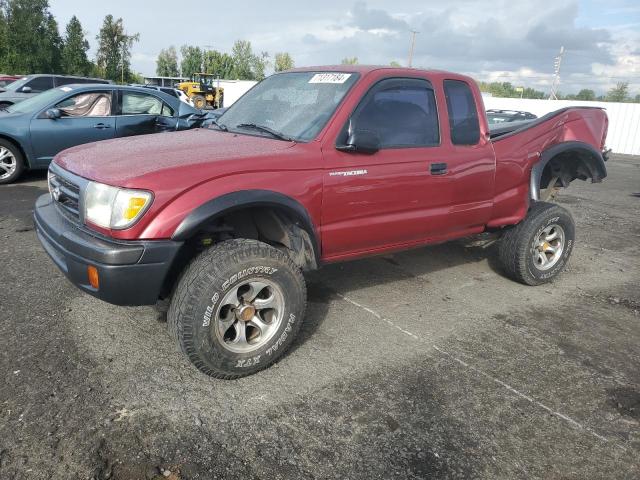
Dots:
pixel 413 42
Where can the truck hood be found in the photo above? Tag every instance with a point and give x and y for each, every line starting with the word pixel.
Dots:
pixel 149 161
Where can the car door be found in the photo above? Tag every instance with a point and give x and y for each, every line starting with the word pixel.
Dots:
pixel 141 113
pixel 397 195
pixel 85 117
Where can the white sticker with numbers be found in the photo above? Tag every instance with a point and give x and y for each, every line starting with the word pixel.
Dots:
pixel 330 78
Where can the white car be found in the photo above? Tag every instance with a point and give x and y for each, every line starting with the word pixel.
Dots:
pixel 173 92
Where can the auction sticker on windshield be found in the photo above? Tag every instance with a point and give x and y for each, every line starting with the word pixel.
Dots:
pixel 330 78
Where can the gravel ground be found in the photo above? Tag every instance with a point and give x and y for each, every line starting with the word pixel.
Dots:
pixel 423 364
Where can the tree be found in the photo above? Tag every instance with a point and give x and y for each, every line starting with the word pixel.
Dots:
pixel 114 50
pixel 586 94
pixel 283 61
pixel 394 64
pixel 243 59
pixel 191 60
pixel 74 51
pixel 619 93
pixel 167 63
pixel 636 99
pixel 31 42
pixel 349 61
pixel 3 34
pixel 259 64
pixel 218 64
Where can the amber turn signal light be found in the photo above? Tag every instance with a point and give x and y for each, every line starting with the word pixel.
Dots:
pixel 94 279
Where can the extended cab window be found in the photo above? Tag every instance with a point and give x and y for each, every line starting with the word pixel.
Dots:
pixel 463 116
pixel 135 103
pixel 402 112
pixel 40 84
pixel 86 104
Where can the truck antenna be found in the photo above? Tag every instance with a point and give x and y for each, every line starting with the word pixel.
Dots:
pixel 556 75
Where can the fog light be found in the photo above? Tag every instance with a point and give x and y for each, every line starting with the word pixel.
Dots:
pixel 92 273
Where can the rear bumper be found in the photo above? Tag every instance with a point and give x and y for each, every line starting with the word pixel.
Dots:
pixel 130 273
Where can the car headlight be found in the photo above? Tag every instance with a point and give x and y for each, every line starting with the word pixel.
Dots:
pixel 112 207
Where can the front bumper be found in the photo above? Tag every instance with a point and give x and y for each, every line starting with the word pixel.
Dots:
pixel 130 273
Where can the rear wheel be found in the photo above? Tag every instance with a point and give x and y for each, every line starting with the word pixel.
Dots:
pixel 237 308
pixel 199 101
pixel 11 162
pixel 537 249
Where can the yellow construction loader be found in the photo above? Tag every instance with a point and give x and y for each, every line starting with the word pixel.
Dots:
pixel 203 90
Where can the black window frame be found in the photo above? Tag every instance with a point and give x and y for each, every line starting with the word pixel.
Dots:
pixel 449 109
pixel 383 84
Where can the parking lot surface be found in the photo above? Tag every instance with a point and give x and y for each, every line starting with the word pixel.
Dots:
pixel 422 364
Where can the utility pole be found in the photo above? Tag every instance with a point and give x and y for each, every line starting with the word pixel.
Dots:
pixel 413 42
pixel 556 75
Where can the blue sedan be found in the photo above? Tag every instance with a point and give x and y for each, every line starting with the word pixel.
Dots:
pixel 32 132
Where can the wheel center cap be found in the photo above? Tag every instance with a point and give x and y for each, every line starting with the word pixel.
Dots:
pixel 246 312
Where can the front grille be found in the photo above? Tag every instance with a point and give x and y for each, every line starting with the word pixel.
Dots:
pixel 66 195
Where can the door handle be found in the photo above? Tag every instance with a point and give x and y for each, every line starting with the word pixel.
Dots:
pixel 438 168
pixel 101 126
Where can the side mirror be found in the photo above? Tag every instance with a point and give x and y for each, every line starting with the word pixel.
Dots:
pixel 53 113
pixel 361 141
pixel 26 90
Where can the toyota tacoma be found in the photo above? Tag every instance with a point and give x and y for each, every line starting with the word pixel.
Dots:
pixel 311 166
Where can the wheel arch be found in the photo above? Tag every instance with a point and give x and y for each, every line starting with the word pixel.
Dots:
pixel 230 203
pixel 567 161
pixel 19 146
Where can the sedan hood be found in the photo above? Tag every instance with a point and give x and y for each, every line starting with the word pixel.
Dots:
pixel 169 159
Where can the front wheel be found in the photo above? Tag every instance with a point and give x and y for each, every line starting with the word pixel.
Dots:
pixel 237 308
pixel 199 102
pixel 11 162
pixel 537 249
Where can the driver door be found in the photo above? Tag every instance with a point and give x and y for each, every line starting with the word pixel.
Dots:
pixel 85 117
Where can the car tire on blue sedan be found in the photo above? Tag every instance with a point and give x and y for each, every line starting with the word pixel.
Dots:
pixel 11 162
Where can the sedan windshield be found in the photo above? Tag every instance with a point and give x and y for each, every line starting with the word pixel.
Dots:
pixel 289 106
pixel 39 101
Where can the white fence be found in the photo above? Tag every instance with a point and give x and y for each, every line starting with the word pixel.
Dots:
pixel 624 118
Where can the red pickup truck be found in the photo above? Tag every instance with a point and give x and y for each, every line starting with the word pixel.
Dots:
pixel 311 166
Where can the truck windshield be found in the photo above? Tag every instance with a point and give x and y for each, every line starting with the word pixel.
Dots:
pixel 294 105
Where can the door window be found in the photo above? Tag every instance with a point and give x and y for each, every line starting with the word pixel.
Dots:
pixel 135 103
pixel 463 116
pixel 86 104
pixel 402 112
pixel 40 84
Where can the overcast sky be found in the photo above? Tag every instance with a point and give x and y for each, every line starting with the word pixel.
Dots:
pixel 506 40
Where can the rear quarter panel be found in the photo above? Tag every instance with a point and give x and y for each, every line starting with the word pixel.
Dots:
pixel 517 153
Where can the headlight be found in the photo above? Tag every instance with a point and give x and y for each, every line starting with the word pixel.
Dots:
pixel 112 207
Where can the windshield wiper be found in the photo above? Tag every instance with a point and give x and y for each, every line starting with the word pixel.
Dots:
pixel 221 126
pixel 262 128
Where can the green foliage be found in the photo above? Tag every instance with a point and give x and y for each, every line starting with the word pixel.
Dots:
pixel 586 94
pixel 74 50
pixel 167 63
pixel 394 64
pixel 114 50
pixel 259 64
pixel 619 93
pixel 191 60
pixel 349 61
pixel 242 60
pixel 30 42
pixel 506 89
pixel 282 62
pixel 219 64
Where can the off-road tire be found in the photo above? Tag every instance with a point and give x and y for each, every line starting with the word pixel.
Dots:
pixel 19 159
pixel 206 281
pixel 199 102
pixel 518 245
